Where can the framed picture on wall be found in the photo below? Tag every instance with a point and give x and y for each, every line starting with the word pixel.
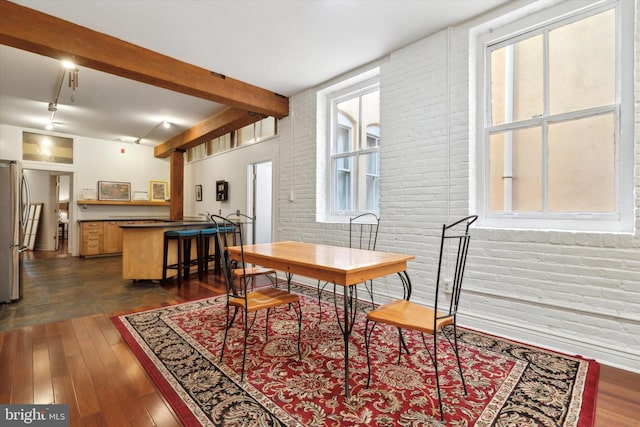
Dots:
pixel 198 193
pixel 158 191
pixel 140 195
pixel 110 190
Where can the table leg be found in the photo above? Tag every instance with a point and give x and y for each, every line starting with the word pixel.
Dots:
pixel 349 308
pixel 345 333
pixel 289 277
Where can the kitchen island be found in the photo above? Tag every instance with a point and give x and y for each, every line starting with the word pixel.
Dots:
pixel 143 245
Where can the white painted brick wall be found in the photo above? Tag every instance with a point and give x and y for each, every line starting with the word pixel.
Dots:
pixel 576 292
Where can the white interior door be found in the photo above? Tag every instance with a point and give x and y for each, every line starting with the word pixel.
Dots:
pixel 260 202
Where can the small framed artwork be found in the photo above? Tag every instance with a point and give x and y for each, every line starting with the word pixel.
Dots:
pixel 110 190
pixel 198 193
pixel 158 191
pixel 222 191
pixel 140 195
pixel 89 194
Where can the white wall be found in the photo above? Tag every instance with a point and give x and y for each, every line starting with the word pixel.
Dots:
pixel 231 167
pixel 575 292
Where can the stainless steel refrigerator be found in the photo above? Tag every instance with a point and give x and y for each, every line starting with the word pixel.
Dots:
pixel 14 199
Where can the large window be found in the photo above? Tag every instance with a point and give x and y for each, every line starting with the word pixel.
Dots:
pixel 354 156
pixel 556 137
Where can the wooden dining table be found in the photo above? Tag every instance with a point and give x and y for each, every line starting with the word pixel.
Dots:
pixel 341 266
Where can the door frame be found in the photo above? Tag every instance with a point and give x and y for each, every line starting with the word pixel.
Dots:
pixel 57 170
pixel 260 201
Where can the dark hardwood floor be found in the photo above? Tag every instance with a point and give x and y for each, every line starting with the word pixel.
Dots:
pixel 58 345
pixel 58 287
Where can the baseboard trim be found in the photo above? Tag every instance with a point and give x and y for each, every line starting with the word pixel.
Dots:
pixel 618 358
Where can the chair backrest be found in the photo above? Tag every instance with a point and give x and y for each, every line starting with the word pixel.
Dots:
pixel 454 246
pixel 363 231
pixel 246 223
pixel 229 233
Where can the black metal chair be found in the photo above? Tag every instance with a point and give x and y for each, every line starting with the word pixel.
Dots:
pixel 250 272
pixel 363 234
pixel 406 315
pixel 241 295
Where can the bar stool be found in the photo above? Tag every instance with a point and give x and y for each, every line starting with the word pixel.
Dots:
pixel 183 240
pixel 206 234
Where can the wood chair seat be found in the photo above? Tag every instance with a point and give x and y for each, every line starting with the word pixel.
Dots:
pixel 263 299
pixel 252 271
pixel 408 315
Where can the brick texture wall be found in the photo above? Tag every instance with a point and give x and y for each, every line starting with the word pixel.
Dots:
pixel 575 292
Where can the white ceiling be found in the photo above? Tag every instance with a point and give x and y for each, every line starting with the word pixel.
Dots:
pixel 284 46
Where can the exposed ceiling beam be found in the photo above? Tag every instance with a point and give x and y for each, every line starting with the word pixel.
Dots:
pixel 208 129
pixel 37 32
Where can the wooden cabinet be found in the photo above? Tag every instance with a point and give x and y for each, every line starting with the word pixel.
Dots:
pixel 92 238
pixel 112 237
pixel 104 237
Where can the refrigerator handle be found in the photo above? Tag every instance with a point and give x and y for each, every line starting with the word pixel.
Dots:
pixel 24 204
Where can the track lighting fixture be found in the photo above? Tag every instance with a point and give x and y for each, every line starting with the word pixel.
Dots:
pixel 163 123
pixel 70 68
pixel 73 79
pixel 73 74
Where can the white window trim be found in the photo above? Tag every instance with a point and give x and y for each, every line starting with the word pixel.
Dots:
pixel 325 97
pixel 623 220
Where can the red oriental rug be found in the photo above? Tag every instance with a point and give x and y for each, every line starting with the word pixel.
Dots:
pixel 508 383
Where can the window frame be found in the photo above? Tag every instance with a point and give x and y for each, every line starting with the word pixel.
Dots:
pixel 622 219
pixel 359 89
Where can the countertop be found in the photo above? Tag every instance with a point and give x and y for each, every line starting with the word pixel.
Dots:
pixel 171 224
pixel 146 218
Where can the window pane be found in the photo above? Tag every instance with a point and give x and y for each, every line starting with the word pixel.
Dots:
pixel 344 140
pixel 343 178
pixel 527 170
pixel 369 183
pixel 582 64
pixel 582 165
pixel 515 166
pixel 373 136
pixel 496 172
pixel 370 112
pixel 517 81
pixel 373 194
pixel 266 128
pixel 212 146
pixel 348 113
pixel 246 135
